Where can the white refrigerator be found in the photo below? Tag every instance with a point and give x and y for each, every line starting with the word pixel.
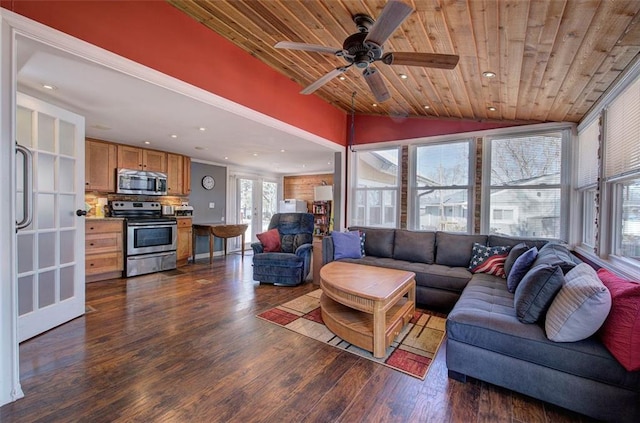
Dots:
pixel 292 206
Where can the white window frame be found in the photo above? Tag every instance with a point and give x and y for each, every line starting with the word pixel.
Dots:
pixel 413 205
pixel 355 189
pixel 564 185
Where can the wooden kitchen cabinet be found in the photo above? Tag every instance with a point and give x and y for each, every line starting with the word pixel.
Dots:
pixel 175 176
pixel 186 175
pixel 178 174
pixel 100 166
pixel 141 158
pixel 103 249
pixel 185 232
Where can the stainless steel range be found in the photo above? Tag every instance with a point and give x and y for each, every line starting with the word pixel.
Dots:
pixel 150 238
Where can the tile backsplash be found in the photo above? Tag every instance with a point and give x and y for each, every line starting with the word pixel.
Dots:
pixel 166 200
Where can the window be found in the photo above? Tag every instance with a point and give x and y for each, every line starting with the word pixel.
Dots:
pixel 442 187
pixel 376 188
pixel 524 184
pixel 622 171
pixel 587 182
pixel 627 238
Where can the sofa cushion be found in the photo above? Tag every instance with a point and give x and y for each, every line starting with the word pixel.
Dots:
pixel 488 259
pixel 346 245
pixel 620 332
pixel 378 241
pixel 580 308
pixel 555 254
pixel 485 317
pixel 520 268
pixel 454 249
pixel 414 246
pixel 515 252
pixel 270 240
pixel 536 291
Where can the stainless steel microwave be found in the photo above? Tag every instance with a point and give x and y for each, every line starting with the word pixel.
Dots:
pixel 141 182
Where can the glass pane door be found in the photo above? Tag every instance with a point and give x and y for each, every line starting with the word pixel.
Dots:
pixel 50 250
pixel 257 202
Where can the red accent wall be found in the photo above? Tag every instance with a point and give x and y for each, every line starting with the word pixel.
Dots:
pixel 158 35
pixel 371 129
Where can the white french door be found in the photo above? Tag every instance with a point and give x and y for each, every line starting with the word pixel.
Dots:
pixel 50 250
pixel 257 202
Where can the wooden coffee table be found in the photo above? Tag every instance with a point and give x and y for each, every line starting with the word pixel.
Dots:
pixel 366 305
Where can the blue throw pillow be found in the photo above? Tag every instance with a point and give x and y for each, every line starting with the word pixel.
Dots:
pixel 520 268
pixel 346 245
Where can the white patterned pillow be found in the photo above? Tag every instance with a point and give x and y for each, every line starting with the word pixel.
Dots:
pixel 580 308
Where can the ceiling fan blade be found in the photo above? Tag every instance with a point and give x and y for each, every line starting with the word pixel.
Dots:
pixel 392 16
pixel 427 60
pixel 376 84
pixel 326 78
pixel 308 47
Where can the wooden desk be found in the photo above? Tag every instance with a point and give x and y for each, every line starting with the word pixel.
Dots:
pixel 221 231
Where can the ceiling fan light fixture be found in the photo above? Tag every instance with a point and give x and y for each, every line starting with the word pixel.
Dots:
pixel 489 74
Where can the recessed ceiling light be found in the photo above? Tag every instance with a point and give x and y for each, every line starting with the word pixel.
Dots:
pixel 342 78
pixel 329 162
pixel 49 87
pixel 375 104
pixel 491 109
pixel 202 128
pixel 255 154
pixel 282 151
pixel 427 106
pixel 174 136
pixel 489 74
pixel 147 142
pixel 403 76
pixel 304 165
pixel 226 158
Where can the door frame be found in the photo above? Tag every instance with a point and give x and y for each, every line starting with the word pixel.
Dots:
pixel 10 24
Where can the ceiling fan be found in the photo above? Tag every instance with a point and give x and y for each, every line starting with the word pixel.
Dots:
pixel 364 48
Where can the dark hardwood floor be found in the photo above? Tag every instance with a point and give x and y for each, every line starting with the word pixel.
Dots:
pixel 185 346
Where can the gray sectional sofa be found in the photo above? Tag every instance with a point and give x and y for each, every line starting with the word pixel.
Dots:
pixel 485 339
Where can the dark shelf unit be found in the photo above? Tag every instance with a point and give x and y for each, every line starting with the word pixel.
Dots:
pixel 321 217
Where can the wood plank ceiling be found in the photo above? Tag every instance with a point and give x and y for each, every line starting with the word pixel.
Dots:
pixel 552 58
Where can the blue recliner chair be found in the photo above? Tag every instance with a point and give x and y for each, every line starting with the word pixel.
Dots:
pixel 290 266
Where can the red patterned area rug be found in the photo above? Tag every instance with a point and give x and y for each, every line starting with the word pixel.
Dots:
pixel 411 352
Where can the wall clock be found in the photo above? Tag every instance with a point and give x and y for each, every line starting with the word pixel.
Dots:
pixel 208 182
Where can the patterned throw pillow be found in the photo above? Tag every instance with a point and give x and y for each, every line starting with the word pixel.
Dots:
pixel 362 236
pixel 488 259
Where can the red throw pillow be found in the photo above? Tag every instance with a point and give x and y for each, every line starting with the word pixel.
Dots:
pixel 270 241
pixel 620 333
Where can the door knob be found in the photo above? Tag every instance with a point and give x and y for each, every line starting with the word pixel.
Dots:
pixel 80 212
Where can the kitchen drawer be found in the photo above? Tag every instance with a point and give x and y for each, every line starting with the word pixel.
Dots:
pixel 182 223
pixel 103 263
pixel 103 243
pixel 101 227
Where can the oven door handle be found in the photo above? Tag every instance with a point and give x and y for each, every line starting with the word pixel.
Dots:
pixel 156 224
pixel 146 256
